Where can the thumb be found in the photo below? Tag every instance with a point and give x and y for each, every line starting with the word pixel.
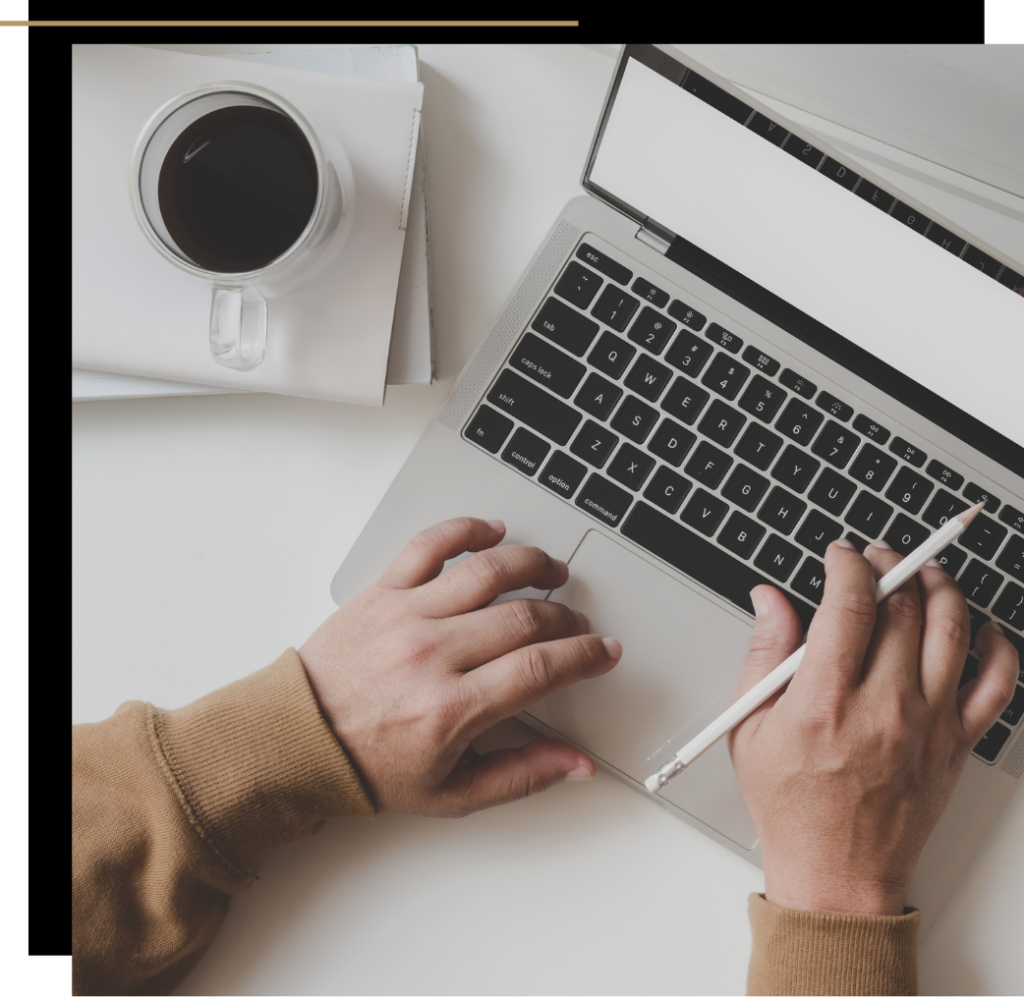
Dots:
pixel 777 634
pixel 511 773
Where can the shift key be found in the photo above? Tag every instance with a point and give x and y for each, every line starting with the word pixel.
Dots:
pixel 534 407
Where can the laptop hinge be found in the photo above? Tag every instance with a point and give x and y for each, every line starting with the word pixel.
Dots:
pixel 655 236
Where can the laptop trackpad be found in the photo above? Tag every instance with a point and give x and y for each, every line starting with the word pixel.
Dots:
pixel 681 656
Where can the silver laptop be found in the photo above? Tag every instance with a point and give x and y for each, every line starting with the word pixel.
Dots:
pixel 731 350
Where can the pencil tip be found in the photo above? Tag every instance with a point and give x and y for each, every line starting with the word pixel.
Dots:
pixel 967 516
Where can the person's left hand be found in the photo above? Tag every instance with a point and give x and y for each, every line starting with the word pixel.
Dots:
pixel 419 664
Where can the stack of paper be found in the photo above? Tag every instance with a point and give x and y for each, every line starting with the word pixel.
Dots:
pixel 329 340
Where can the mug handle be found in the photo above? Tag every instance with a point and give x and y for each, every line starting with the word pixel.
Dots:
pixel 238 327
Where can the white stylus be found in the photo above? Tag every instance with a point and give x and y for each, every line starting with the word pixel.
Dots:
pixel 779 676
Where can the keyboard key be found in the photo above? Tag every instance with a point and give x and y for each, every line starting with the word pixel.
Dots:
pixel 1009 607
pixel 979 582
pixel 727 340
pixel 489 429
pixel 741 535
pixel 767 129
pixel 745 487
pixel 836 444
pixel 651 330
pixel 778 558
pixel 702 560
pixel 721 423
pixel 798 383
pixel 804 151
pixel 810 580
pixel 667 490
pixel 942 508
pixel 685 400
pixel 870 429
pixel 910 453
pixel 832 491
pixel 905 534
pixel 542 363
pixel 762 398
pixel 648 377
pixel 983 537
pixel 781 510
pixel 598 396
pixel 671 442
pixel 721 100
pixel 834 406
pixel 975 494
pixel 909 490
pixel 566 327
pixel 525 451
pixel 689 354
pixel 861 543
pixel 562 474
pixel 611 355
pixel 799 422
pixel 758 446
pixel 647 291
pixel 708 465
pixel 631 466
pixel 635 419
pixel 578 285
pixel 1012 558
pixel 594 444
pixel 687 315
pixel 868 515
pixel 988 747
pixel 981 261
pixel 761 361
pixel 1011 279
pixel 945 475
pixel 725 376
pixel 946 239
pixel 704 512
pixel 603 262
pixel 841 174
pixel 603 500
pixel 1012 714
pixel 910 217
pixel 952 559
pixel 534 406
pixel 873 467
pixel 795 468
pixel 977 620
pixel 1013 518
pixel 875 195
pixel 615 308
pixel 817 532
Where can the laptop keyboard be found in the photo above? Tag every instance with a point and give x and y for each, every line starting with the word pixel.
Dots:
pixel 712 455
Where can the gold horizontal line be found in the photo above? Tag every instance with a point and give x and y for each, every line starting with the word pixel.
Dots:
pixel 279 24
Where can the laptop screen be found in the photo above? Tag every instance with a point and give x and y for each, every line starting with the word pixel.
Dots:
pixel 825 264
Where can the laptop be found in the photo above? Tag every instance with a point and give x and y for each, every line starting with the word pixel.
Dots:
pixel 732 349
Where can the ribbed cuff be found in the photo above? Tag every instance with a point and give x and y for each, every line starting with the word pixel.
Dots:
pixel 800 952
pixel 255 765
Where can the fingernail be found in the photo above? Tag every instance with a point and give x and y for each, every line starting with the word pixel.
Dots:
pixel 845 543
pixel 497 525
pixel 613 647
pixel 761 604
pixel 578 775
pixel 932 562
pixel 881 545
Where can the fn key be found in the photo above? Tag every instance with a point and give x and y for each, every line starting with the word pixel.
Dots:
pixel 489 429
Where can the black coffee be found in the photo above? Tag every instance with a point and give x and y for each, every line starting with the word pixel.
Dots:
pixel 237 188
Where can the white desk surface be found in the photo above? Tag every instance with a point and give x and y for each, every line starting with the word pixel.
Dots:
pixel 206 530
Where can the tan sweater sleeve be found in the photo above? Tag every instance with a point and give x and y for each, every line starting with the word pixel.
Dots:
pixel 800 952
pixel 172 812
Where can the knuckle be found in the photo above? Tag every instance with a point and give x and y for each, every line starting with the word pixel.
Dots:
pixel 523 618
pixel 857 605
pixel 952 629
pixel 534 671
pixel 490 568
pixel 901 605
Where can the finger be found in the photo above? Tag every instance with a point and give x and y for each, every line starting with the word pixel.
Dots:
pixel 986 696
pixel 512 773
pixel 423 557
pixel 946 635
pixel 893 659
pixel 474 638
pixel 478 580
pixel 841 630
pixel 515 681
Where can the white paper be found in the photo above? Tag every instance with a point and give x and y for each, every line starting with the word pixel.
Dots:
pixel 135 313
pixel 805 238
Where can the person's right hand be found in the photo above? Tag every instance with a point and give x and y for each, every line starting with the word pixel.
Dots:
pixel 847 770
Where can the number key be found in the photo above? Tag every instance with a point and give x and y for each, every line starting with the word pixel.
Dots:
pixel 873 467
pixel 762 398
pixel 726 376
pixel 652 330
pixel 799 422
pixel 836 444
pixel 909 490
pixel 689 354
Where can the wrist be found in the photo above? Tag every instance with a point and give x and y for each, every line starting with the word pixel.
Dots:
pixel 832 895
